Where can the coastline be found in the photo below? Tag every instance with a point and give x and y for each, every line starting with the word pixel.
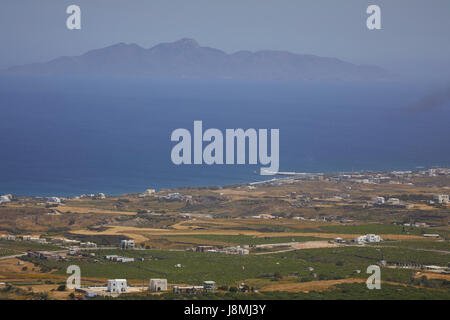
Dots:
pixel 284 175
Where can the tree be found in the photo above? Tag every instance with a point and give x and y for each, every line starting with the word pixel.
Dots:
pixel 277 276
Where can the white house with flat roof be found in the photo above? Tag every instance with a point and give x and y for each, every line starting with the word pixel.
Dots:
pixel 127 244
pixel 379 200
pixel 158 284
pixel 117 286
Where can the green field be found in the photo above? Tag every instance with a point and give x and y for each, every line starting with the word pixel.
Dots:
pixel 348 291
pixel 7 252
pixel 372 228
pixel 328 264
pixel 27 245
pixel 196 267
pixel 375 228
pixel 370 255
pixel 433 245
pixel 243 240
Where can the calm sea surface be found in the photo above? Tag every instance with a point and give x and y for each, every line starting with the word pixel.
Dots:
pixel 67 137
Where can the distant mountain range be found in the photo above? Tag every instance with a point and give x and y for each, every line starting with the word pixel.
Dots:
pixel 185 58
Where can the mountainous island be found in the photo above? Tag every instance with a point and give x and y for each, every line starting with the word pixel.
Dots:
pixel 186 59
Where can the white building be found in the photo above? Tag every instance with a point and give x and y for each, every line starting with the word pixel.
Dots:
pixel 117 286
pixel 147 193
pixel 111 257
pixel 338 240
pixel 124 259
pixel 435 268
pixel 379 200
pixel 175 196
pixel 117 258
pixel 393 201
pixel 91 294
pixel 431 235
pixel 373 238
pixel 100 196
pixel 54 200
pixel 368 238
pixel 70 242
pixel 158 284
pixel 233 250
pixel 5 199
pixel 127 244
pixel 264 216
pixel 441 198
pixel 88 245
pixel 72 252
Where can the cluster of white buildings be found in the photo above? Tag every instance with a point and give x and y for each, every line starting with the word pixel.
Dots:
pixel 393 177
pixel 117 286
pixel 235 250
pixel 23 238
pixel 437 198
pixel 88 244
pixel 7 237
pixel 147 193
pixel 416 224
pixel 54 200
pixel 34 239
pixel 193 216
pixel 365 178
pixel 176 196
pixel 264 216
pixel 116 258
pixel 390 201
pixel 380 201
pixel 208 286
pixel 71 242
pixel 436 171
pixel 59 241
pixel 98 196
pixel 441 198
pixel 368 238
pixel 226 250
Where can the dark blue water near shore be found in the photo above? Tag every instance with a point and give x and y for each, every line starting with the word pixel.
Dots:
pixel 67 137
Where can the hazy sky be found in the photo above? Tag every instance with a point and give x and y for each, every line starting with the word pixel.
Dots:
pixel 414 32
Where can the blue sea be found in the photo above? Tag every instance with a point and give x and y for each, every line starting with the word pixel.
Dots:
pixel 65 137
